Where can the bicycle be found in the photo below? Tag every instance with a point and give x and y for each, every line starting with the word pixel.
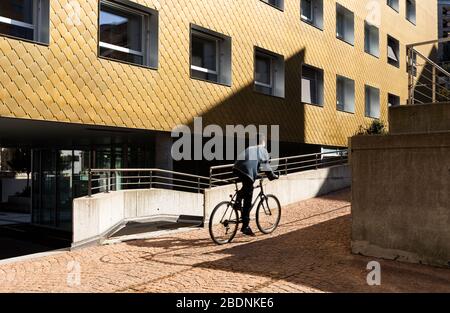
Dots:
pixel 226 216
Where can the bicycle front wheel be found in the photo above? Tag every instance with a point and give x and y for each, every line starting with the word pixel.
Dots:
pixel 223 223
pixel 268 214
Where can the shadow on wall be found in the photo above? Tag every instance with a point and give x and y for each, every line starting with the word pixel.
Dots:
pixel 248 107
pixel 424 81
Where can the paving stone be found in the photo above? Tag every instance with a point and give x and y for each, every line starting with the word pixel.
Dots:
pixel 309 252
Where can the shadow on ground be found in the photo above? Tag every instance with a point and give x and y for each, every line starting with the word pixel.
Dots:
pixel 18 240
pixel 305 252
pixel 319 256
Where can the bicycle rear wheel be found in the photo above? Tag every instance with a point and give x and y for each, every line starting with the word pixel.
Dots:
pixel 268 214
pixel 223 223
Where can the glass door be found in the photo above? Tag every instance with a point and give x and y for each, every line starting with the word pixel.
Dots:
pixel 64 184
pixel 44 187
pixel 59 176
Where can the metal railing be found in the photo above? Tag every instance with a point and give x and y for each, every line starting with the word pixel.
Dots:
pixel 106 180
pixel 223 175
pixel 427 81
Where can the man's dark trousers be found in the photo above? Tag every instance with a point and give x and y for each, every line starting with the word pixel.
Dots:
pixel 245 194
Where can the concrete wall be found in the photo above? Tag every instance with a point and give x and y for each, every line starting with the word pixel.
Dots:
pixel 423 118
pixel 401 197
pixel 94 217
pixel 292 188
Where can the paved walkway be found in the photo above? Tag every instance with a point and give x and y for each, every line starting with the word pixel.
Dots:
pixel 310 252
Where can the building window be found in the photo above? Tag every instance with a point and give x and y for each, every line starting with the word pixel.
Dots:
pixel 279 4
pixel 210 56
pixel 312 85
pixel 128 33
pixel 345 24
pixel 393 4
pixel 26 19
pixel 269 73
pixel 393 100
pixel 345 94
pixel 393 50
pixel 371 39
pixel 372 102
pixel 312 12
pixel 411 11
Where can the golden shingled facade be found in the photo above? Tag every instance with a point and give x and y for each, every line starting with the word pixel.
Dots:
pixel 66 81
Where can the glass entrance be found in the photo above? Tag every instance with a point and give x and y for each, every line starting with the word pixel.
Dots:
pixel 58 177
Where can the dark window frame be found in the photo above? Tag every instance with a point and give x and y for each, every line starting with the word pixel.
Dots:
pixel 278 7
pixel 152 40
pixel 38 12
pixel 222 38
pixel 275 57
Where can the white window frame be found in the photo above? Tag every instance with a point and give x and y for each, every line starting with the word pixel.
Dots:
pixel 145 32
pixel 9 21
pixel 217 40
pixel 37 7
pixel 271 58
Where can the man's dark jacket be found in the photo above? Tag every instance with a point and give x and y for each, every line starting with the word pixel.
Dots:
pixel 253 160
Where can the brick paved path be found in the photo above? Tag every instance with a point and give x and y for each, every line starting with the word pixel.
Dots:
pixel 310 252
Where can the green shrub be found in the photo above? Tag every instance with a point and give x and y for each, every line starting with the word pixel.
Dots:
pixel 377 127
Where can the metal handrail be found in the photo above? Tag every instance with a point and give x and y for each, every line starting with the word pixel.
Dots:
pixel 106 180
pixel 284 166
pixel 118 179
pixel 429 61
pixel 428 82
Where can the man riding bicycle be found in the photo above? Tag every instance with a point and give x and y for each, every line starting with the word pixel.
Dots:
pixel 253 160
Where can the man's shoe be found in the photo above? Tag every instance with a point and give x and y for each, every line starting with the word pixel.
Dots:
pixel 248 232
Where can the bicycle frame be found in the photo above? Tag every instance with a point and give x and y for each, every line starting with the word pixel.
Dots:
pixel 261 196
pixel 231 217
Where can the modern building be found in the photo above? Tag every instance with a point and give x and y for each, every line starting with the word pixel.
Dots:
pixel 101 83
pixel 444 29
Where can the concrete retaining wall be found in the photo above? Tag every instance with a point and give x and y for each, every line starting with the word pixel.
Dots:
pixel 401 197
pixel 292 188
pixel 423 118
pixel 94 217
